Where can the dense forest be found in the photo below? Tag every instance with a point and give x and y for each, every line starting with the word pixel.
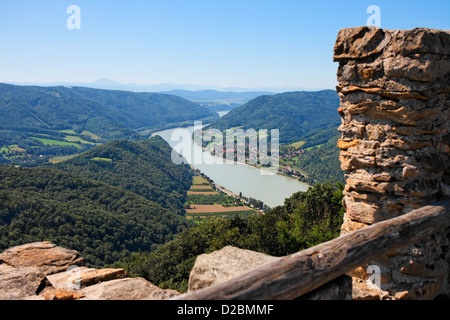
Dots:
pixel 102 222
pixel 306 219
pixel 143 167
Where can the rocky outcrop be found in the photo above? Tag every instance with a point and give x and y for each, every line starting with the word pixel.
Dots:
pixel 394 88
pixel 45 256
pixel 44 271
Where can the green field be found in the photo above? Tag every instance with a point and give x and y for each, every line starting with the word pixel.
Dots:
pixel 69 131
pixel 223 214
pixel 91 135
pixel 200 180
pixel 102 159
pixel 52 142
pixel 298 144
pixel 61 159
pixel 77 139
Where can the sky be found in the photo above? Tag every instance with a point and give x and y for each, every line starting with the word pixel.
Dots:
pixel 225 43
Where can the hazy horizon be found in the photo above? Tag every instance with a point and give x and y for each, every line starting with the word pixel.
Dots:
pixel 197 44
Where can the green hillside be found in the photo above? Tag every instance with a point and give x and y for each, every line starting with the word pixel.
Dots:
pixel 104 223
pixel 143 167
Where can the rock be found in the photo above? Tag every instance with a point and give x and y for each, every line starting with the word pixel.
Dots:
pixel 78 278
pixel 222 265
pixel 19 283
pixel 360 291
pixel 358 43
pixel 362 212
pixel 45 256
pixel 346 145
pixel 126 289
pixel 60 294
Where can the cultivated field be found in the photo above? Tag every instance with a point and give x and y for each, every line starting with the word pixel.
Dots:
pixel 202 208
pixel 204 202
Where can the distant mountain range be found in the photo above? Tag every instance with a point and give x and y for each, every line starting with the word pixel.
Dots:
pixel 164 87
pixel 211 95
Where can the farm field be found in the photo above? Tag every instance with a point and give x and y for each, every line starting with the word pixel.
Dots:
pixel 215 208
pixel 205 202
pixel 56 160
pixel 52 142
pixel 77 139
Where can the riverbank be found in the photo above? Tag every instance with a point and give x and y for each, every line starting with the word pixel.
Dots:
pixel 235 177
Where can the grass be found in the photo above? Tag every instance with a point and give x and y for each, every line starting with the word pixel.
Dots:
pixel 201 190
pixel 91 135
pixel 215 208
pixel 225 214
pixel 102 159
pixel 56 160
pixel 52 142
pixel 318 146
pixel 77 139
pixel 200 180
pixel 298 144
pixel 69 131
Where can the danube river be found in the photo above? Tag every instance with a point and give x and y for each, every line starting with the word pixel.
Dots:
pixel 237 177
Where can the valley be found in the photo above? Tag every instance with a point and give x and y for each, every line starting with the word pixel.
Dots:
pixel 79 169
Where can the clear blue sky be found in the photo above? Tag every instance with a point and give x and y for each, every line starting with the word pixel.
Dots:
pixel 245 43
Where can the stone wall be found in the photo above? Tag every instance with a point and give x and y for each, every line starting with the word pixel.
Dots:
pixel 394 88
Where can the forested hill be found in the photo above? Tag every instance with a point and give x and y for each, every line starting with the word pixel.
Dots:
pixel 106 113
pixel 143 167
pixel 102 222
pixel 300 116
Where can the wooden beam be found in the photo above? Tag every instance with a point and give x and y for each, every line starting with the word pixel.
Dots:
pixel 295 275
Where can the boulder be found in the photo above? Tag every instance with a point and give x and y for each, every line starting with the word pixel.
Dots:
pixel 19 283
pixel 46 256
pixel 224 264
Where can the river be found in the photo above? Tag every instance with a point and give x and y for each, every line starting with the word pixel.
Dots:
pixel 237 177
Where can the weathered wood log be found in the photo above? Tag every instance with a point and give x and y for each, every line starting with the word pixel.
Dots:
pixel 298 274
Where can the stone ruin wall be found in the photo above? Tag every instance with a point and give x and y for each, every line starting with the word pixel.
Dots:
pixel 394 87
